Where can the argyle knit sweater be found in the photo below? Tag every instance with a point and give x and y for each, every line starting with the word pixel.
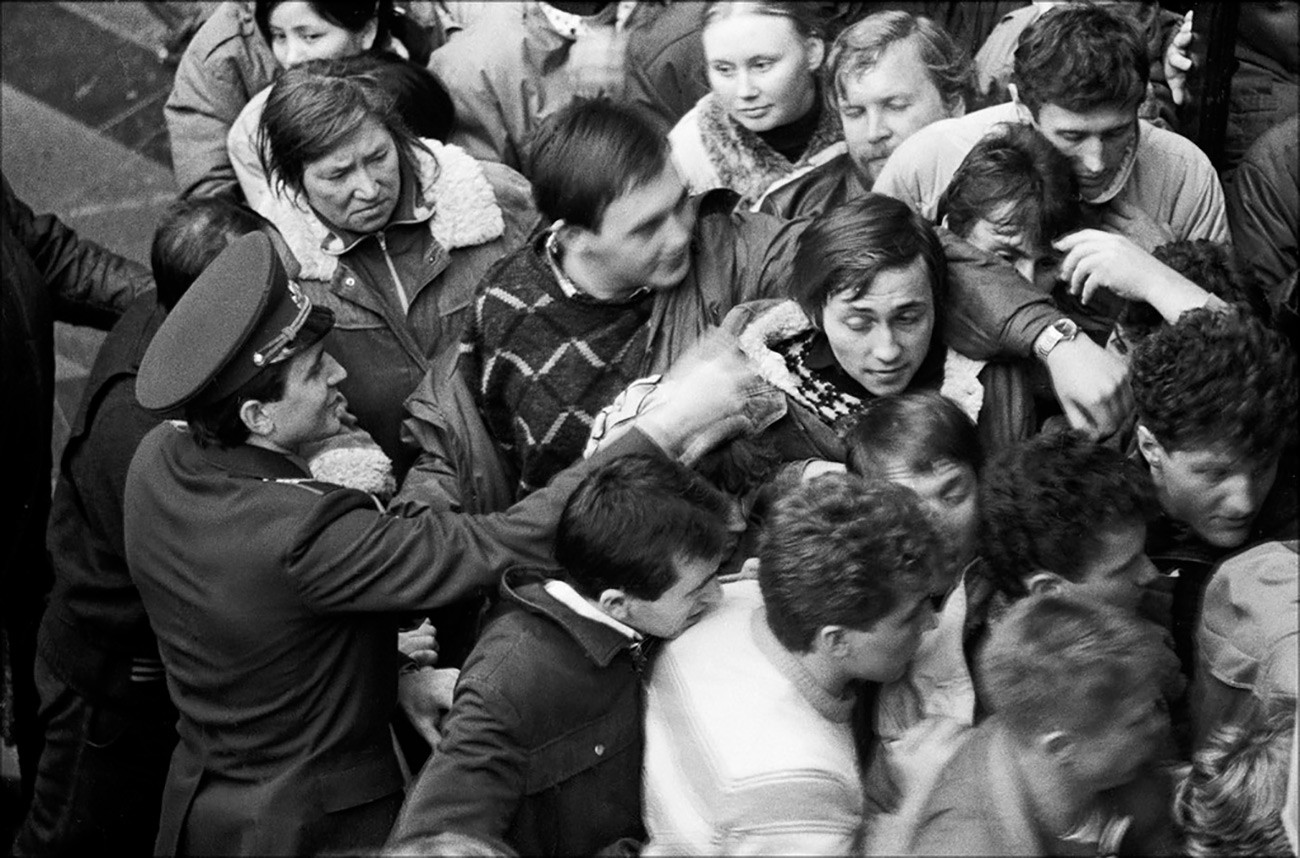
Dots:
pixel 542 364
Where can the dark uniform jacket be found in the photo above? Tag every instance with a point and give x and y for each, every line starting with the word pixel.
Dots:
pixel 273 598
pixel 542 750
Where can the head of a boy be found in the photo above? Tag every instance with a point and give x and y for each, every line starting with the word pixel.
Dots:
pixel 641 538
pixel 1216 396
pixel 1078 682
pixel 1061 512
pixel 925 442
pixel 845 567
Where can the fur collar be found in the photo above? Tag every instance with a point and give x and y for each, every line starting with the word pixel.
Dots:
pixel 458 202
pixel 961 381
pixel 743 161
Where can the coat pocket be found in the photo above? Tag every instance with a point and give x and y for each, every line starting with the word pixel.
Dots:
pixel 590 745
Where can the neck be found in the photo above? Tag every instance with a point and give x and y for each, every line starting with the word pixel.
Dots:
pixel 591 279
pixel 825 672
pixel 1058 802
pixel 267 444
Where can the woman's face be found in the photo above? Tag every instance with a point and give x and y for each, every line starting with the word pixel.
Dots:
pixel 881 338
pixel 761 69
pixel 357 184
pixel 298 34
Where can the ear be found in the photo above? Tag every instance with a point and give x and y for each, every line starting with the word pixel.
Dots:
pixel 816 49
pixel 831 641
pixel 1021 110
pixel 616 604
pixel 257 418
pixel 1043 581
pixel 1152 452
pixel 1057 744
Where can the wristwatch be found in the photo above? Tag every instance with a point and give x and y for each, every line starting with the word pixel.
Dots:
pixel 1054 334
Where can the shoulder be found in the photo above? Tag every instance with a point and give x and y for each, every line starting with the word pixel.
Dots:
pixel 1174 151
pixel 229 34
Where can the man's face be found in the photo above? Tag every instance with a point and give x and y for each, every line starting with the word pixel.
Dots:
pixel 644 240
pixel 1118 568
pixel 1117 752
pixel 312 405
pixel 695 592
pixel 1214 490
pixel 1096 142
pixel 356 186
pixel 886 104
pixel 949 491
pixel 997 235
pixel 882 337
pixel 882 652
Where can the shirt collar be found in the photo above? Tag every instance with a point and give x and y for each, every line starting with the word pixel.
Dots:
pixel 575 26
pixel 571 599
pixel 571 290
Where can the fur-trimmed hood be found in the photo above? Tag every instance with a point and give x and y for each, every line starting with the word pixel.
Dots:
pixel 457 200
pixel 785 319
pixel 713 150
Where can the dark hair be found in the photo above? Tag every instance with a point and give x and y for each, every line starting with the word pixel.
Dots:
pixel 1016 165
pixel 419 95
pixel 918 429
pixel 315 106
pixel 1081 57
pixel 1045 501
pixel 845 247
pixel 1066 662
pixel 218 424
pixel 802 16
pixel 840 550
pixel 586 155
pixel 1212 265
pixel 630 519
pixel 191 234
pixel 859 46
pixel 1216 378
pixel 351 15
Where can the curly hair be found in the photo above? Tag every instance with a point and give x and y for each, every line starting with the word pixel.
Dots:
pixel 841 550
pixel 1081 57
pixel 860 45
pixel 1231 799
pixel 1045 501
pixel 1067 662
pixel 630 519
pixel 1216 379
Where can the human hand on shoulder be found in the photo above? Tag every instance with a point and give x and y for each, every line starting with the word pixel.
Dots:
pixel 1103 260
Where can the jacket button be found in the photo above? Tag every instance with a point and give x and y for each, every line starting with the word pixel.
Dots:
pixel 350 282
pixel 600 750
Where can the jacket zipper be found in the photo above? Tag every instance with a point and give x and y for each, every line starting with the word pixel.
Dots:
pixel 392 271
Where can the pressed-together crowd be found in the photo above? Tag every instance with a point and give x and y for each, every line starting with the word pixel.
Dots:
pixel 673 428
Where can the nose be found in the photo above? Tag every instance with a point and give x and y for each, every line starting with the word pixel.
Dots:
pixel 1242 494
pixel 884 345
pixel 877 130
pixel 1089 156
pixel 745 87
pixel 1148 573
pixel 294 51
pixel 365 187
pixel 334 371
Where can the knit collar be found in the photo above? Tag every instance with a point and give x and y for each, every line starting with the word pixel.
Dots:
pixel 830 707
pixel 747 164
pixel 573 27
pixel 572 291
pixel 457 201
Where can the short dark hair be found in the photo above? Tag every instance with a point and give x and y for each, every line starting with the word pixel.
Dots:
pixel 630 519
pixel 419 95
pixel 218 424
pixel 1216 378
pixel 859 47
pixel 586 155
pixel 351 15
pixel 845 247
pixel 1018 165
pixel 1212 265
pixel 1068 662
pixel 841 550
pixel 919 429
pixel 191 234
pixel 1045 501
pixel 315 106
pixel 1081 57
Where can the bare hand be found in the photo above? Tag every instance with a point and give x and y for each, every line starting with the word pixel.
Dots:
pixel 1102 260
pixel 420 644
pixel 425 696
pixel 748 572
pixel 1091 385
pixel 1178 60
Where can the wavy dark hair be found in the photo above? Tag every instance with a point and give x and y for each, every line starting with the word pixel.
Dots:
pixel 1081 57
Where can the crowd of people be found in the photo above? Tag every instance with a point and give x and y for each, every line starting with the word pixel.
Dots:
pixel 661 427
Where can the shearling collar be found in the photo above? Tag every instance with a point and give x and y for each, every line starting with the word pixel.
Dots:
pixel 785 319
pixel 745 163
pixel 457 201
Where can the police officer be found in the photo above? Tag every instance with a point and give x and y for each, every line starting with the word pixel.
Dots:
pixel 273 596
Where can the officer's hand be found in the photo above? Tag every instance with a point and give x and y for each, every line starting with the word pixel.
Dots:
pixel 1091 385
pixel 420 644
pixel 425 696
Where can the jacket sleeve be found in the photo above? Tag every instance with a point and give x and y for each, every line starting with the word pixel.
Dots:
pixel 349 556
pixel 992 311
pixel 482 120
pixel 222 68
pixel 90 284
pixel 1263 206
pixel 474 782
